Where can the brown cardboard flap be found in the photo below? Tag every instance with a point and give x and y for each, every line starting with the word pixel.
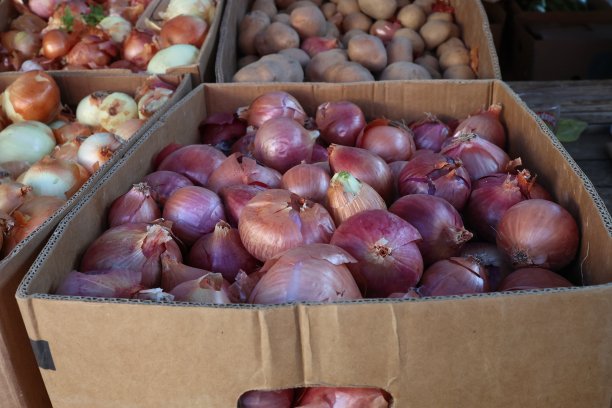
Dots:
pixel 537 349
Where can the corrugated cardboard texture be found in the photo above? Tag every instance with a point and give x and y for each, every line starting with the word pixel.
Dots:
pixel 545 349
pixel 469 15
pixel 20 383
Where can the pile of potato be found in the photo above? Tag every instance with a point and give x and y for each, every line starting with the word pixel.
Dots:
pixel 351 41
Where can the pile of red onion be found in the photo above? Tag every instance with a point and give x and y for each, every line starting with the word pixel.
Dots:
pixel 316 397
pixel 267 211
pixel 47 152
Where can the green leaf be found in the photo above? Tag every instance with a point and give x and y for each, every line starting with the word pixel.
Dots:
pixel 95 15
pixel 569 130
pixel 68 20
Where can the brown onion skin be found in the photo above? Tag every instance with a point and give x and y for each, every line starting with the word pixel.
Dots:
pixel 89 52
pixel 435 174
pixel 138 48
pixel 267 399
pixel 196 162
pixel 344 397
pixel 307 180
pixel 12 195
pixel 533 278
pixel 183 29
pixel 454 276
pixel 340 122
pixel 271 105
pixel 28 22
pixel 57 43
pixel 35 95
pixel 438 222
pixel 25 43
pixel 485 124
pixel 236 197
pixel 538 233
pixel 385 247
pixel 163 183
pixel 392 142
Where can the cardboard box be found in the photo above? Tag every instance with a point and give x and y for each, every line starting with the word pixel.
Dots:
pixel 202 71
pixel 20 382
pixel 469 15
pixel 548 348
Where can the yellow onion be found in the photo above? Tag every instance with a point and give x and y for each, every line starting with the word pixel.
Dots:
pixel 88 109
pixel 12 195
pixel 115 109
pixel 129 128
pixel 54 177
pixel 97 149
pixel 68 151
pixel 26 141
pixel 153 101
pixel 71 131
pixel 347 196
pixel 183 29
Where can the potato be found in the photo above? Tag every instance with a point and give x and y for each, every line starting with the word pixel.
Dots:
pixel 282 18
pixel 435 74
pixel 267 6
pixel 440 16
pixel 428 60
pixel 271 68
pixel 350 34
pixel 297 54
pixel 369 51
pixel 459 72
pixel 418 45
pixel 275 37
pixel 329 9
pixel 347 72
pixel 308 21
pixel 357 21
pixel 454 56
pixel 346 7
pixel 402 3
pixel 404 70
pixel 322 61
pixel 378 9
pixel 412 16
pixel 435 32
pixel 425 4
pixel 300 3
pixel 331 31
pixel 283 4
pixel 252 24
pixel 399 49
pixel 452 42
pixel 455 30
pixel 246 60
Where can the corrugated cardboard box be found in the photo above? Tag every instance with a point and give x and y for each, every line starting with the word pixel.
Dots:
pixel 469 15
pixel 548 348
pixel 20 382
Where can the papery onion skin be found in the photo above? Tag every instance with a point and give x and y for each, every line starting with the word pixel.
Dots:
pixel 235 199
pixel 210 289
pixel 364 165
pixel 454 276
pixel 194 211
pixel 272 105
pixel 54 177
pixel 307 180
pixel 538 233
pixel 533 278
pixel 267 399
pixel 71 131
pixel 136 246
pixel 152 101
pixel 116 27
pixel 238 169
pixel 221 251
pixel 183 29
pixel 315 273
pixel 389 140
pixel 282 143
pixel 343 397
pixel 28 22
pixel 12 195
pixel 498 267
pixel 430 133
pixel 485 124
pixel 438 222
pixel 139 48
pixel 196 162
pixel 221 130
pixel 340 122
pixel 347 196
pixel 174 273
pixel 32 96
pixel 277 220
pixel 112 283
pixel 136 205
pixel 26 141
pixel 385 247
pixel 163 183
pixel 479 156
pixel 438 175
pixel 90 52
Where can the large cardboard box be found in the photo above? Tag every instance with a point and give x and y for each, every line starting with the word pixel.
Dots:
pixel 20 382
pixel 548 348
pixel 469 15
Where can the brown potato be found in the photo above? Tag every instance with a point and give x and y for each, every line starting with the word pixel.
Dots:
pixel 440 16
pixel 329 9
pixel 252 24
pixel 322 61
pixel 399 49
pixel 246 60
pixel 454 56
pixel 369 51
pixel 418 45
pixel 346 7
pixel 347 72
pixel 428 60
pixel 271 68
pixel 297 54
pixel 426 5
pixel 459 72
pixel 331 31
pixel 350 34
pixel 282 18
pixel 412 16
pixel 301 3
pixel 378 9
pixel 357 21
pixel 404 70
pixel 452 42
pixel 267 6
pixel 435 32
pixel 435 74
pixel 308 21
pixel 275 37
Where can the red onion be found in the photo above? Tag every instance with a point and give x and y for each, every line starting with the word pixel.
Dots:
pixel 307 180
pixel 485 124
pixel 12 195
pixel 396 169
pixel 154 295
pixel 309 273
pixel 222 251
pixel 210 288
pixel 111 283
pixel 238 169
pixel 236 197
pixel 272 105
pixel 194 211
pixel 241 289
pixel 221 130
pixel 412 293
pixel 490 256
pixel 385 30
pixel 347 196
pixel 479 156
pixel 363 165
pixel 538 233
pixel 430 133
pixel 174 273
pixel 282 143
pixel 136 247
pixel 277 220
pixel 315 45
pixel 196 162
pixel 319 154
pixel 390 140
pixel 164 183
pixel 438 222
pixel 533 278
pixel 136 205
pixel 340 122
pixel 245 145
pixel 454 276
pixel 267 399
pixel 343 397
pixel 385 247
pixel 438 175
pixel 165 152
pixel 492 195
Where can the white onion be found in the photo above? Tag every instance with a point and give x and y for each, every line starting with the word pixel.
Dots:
pixel 54 177
pixel 97 149
pixel 174 56
pixel 116 27
pixel 26 141
pixel 88 110
pixel 205 9
pixel 115 109
pixel 152 101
